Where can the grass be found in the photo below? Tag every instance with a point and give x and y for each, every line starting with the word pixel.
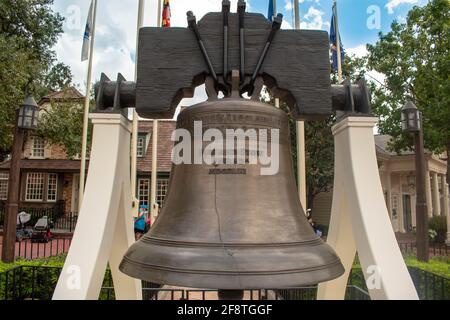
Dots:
pixel 437 265
pixel 57 261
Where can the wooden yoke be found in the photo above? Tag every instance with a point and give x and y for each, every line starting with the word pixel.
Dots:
pixel 296 70
pixel 293 64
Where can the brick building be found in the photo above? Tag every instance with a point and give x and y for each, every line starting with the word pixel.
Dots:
pixel 50 180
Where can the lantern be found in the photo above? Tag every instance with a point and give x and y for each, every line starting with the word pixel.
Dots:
pixel 411 118
pixel 28 114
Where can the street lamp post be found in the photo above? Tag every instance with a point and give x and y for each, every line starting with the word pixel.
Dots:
pixel 26 119
pixel 412 123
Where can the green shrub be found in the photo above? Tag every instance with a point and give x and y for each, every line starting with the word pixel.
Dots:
pixel 57 261
pixel 439 224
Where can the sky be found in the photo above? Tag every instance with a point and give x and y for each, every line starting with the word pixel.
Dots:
pixel 360 21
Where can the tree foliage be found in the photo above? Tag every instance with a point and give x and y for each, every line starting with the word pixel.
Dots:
pixel 415 58
pixel 320 141
pixel 62 124
pixel 29 29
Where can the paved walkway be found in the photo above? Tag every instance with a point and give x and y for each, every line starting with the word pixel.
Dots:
pixel 176 293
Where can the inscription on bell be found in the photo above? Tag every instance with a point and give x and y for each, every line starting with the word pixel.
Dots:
pixel 227 171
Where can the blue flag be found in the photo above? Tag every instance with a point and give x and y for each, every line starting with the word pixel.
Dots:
pixel 270 13
pixel 333 42
pixel 87 34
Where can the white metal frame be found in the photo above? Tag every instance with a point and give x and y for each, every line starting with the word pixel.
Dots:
pixel 360 220
pixel 105 228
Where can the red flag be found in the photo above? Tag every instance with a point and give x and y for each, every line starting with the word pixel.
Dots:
pixel 166 14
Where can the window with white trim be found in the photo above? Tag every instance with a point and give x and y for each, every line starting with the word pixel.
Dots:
pixel 4 176
pixel 52 187
pixel 141 145
pixel 144 192
pixel 35 187
pixel 161 191
pixel 38 147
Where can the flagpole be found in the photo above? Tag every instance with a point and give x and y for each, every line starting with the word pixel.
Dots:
pixel 297 14
pixel 154 176
pixel 86 110
pixel 301 141
pixel 277 101
pixel 135 126
pixel 338 41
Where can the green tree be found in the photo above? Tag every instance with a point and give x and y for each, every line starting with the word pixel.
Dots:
pixel 320 141
pixel 29 29
pixel 62 124
pixel 415 58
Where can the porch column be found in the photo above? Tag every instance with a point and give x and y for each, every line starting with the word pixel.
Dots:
pixel 413 208
pixel 444 186
pixel 428 194
pixel 436 197
pixel 446 211
pixel 400 212
pixel 389 194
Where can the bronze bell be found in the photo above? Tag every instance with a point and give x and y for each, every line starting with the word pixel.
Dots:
pixel 227 226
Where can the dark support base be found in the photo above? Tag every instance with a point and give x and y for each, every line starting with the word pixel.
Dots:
pixel 230 294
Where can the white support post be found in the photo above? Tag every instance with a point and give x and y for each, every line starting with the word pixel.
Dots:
pixel 447 211
pixel 428 194
pixel 301 141
pixel 436 197
pixel 154 176
pixel 105 225
pixel 359 218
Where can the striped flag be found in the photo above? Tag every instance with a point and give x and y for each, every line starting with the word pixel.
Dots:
pixel 166 14
pixel 87 34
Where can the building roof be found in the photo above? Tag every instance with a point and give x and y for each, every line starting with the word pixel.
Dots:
pixel 165 129
pixel 45 165
pixel 382 146
pixel 68 94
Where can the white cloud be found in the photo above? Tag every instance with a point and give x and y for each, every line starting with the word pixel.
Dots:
pixel 313 19
pixel 115 39
pixel 359 51
pixel 392 4
pixel 372 75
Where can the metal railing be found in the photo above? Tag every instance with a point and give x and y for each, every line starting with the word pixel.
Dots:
pixel 38 283
pixel 435 249
pixel 28 250
pixel 430 286
pixel 56 213
pixel 66 222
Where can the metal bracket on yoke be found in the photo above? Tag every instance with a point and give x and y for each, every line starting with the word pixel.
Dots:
pixel 276 25
pixel 114 96
pixel 192 22
pixel 351 99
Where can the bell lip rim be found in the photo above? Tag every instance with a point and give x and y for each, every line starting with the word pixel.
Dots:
pixel 261 281
pixel 335 263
